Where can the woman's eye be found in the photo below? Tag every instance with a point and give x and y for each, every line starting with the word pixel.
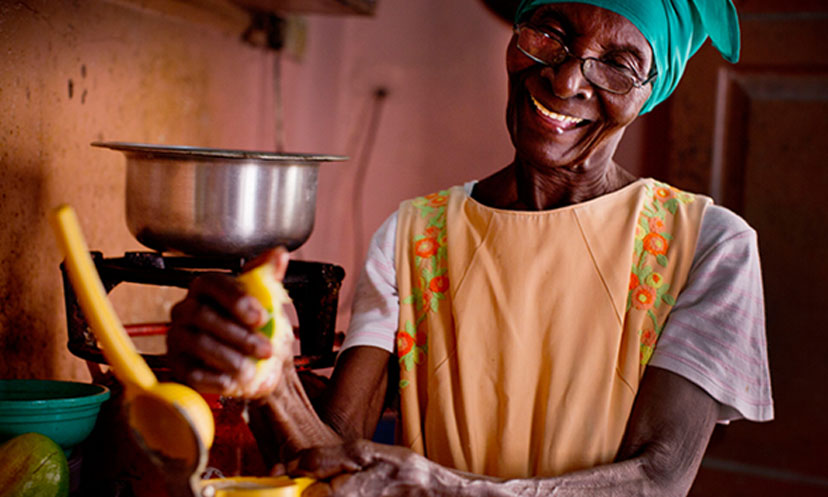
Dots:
pixel 552 30
pixel 619 64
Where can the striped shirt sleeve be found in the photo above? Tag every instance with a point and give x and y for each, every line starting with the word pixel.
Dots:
pixel 715 334
pixel 376 305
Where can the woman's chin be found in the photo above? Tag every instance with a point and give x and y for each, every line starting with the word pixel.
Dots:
pixel 551 154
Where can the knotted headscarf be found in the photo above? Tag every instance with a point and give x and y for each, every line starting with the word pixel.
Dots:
pixel 675 30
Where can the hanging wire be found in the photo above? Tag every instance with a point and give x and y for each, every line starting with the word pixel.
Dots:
pixel 376 105
pixel 278 106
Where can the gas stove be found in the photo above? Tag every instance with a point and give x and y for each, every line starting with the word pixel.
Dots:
pixel 112 463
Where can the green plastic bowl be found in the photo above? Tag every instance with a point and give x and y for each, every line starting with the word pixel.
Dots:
pixel 64 411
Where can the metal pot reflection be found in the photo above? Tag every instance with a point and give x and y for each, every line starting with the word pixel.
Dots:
pixel 219 202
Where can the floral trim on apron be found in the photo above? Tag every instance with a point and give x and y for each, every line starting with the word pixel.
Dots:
pixel 430 285
pixel 648 288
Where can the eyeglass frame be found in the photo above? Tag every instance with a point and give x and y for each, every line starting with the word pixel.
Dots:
pixel 636 83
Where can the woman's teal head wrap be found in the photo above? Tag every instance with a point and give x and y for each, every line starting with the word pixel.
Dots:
pixel 675 29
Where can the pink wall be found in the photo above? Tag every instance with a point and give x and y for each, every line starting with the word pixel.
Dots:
pixel 441 124
pixel 169 72
pixel 75 72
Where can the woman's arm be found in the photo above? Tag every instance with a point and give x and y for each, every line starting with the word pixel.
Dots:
pixel 285 422
pixel 212 345
pixel 666 436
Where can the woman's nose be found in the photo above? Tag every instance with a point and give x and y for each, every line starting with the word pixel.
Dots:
pixel 567 79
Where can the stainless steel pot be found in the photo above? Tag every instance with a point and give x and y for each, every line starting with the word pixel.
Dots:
pixel 202 201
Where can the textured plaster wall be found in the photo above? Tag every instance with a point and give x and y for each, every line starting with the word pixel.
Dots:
pixel 176 72
pixel 442 122
pixel 75 72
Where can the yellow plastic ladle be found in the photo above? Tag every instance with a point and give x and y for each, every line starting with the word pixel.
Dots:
pixel 172 422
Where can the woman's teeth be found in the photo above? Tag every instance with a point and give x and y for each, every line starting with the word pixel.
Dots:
pixel 554 115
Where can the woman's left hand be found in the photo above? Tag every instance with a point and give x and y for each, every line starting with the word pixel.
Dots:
pixel 666 437
pixel 366 468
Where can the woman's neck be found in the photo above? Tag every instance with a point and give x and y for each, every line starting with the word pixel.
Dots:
pixel 518 187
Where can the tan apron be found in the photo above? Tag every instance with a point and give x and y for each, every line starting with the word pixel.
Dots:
pixel 523 335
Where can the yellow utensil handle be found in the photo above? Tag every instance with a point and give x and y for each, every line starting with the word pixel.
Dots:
pixel 256 486
pixel 118 349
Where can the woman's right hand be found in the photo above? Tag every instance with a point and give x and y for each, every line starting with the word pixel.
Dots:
pixel 213 343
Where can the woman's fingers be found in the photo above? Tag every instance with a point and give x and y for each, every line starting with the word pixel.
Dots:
pixel 339 484
pixel 278 257
pixel 318 489
pixel 323 462
pixel 211 323
pixel 327 462
pixel 364 468
pixel 192 372
pixel 208 346
pixel 218 356
pixel 227 294
pixel 278 469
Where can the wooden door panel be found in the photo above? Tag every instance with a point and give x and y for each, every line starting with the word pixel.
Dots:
pixel 746 483
pixel 755 137
pixel 772 169
pixel 764 115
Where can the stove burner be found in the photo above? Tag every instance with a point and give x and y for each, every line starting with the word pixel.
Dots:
pixel 313 287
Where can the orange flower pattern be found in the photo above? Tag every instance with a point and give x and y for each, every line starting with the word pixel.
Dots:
pixel 655 243
pixel 430 285
pixel 648 338
pixel 648 289
pixel 405 343
pixel 426 247
pixel 634 281
pixel 664 192
pixel 643 297
pixel 438 284
pixel 655 224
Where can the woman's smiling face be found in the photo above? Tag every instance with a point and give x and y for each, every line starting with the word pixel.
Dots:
pixel 555 116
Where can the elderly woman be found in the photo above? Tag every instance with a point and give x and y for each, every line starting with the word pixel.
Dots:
pixel 559 327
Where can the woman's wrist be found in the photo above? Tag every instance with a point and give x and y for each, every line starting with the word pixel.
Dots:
pixel 286 419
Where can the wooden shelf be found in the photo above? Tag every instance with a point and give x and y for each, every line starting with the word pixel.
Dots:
pixel 331 7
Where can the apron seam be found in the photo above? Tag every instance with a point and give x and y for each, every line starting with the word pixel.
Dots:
pixel 604 283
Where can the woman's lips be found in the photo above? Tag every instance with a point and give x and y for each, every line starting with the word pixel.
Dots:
pixel 560 122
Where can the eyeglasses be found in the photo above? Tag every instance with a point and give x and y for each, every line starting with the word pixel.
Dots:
pixel 545 48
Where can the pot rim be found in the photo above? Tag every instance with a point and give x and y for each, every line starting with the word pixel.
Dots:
pixel 186 152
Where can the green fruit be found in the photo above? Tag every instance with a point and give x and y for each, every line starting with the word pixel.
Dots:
pixel 33 465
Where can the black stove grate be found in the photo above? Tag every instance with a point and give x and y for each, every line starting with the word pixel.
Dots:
pixel 313 287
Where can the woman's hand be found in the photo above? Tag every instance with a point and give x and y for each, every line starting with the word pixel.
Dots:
pixel 212 344
pixel 365 468
pixel 666 438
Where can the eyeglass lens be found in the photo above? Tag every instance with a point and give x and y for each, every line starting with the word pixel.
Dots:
pixel 552 52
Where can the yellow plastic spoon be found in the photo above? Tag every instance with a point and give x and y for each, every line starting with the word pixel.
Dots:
pixel 172 422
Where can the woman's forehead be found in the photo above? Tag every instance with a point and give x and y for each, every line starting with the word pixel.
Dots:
pixel 580 19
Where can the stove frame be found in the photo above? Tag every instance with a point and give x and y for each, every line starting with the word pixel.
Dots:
pixel 313 287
